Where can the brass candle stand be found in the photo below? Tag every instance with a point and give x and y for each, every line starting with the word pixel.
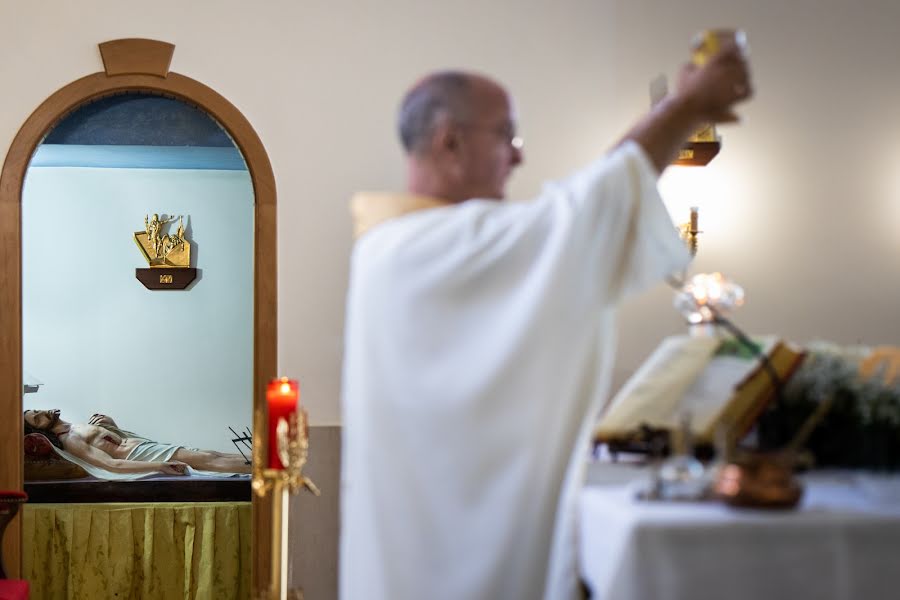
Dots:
pixel 689 232
pixel 293 447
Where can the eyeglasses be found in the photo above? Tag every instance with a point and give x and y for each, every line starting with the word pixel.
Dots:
pixel 505 132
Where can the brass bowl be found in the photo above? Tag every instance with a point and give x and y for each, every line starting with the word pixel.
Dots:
pixel 759 481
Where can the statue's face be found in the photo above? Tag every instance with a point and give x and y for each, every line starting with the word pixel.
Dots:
pixel 42 419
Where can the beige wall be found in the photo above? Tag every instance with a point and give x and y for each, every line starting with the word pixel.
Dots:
pixel 803 194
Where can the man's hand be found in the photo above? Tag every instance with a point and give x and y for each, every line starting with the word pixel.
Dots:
pixel 102 420
pixel 173 467
pixel 705 95
pixel 713 89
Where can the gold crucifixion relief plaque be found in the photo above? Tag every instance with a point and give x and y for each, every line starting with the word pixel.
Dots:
pixel 168 254
pixel 163 250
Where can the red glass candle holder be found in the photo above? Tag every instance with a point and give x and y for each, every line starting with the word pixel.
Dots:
pixel 282 395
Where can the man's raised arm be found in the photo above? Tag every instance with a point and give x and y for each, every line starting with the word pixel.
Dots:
pixel 704 95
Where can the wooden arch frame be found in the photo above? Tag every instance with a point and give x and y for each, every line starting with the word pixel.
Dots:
pixel 130 65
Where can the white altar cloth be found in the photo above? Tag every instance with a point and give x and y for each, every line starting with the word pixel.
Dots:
pixel 841 543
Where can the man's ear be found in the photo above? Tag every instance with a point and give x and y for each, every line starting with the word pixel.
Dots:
pixel 446 141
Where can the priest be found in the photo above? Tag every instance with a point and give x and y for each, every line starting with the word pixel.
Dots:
pixel 480 336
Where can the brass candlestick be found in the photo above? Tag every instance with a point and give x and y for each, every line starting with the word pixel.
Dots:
pixel 293 448
pixel 689 232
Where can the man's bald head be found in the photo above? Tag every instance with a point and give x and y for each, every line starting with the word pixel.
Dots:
pixel 459 133
pixel 442 95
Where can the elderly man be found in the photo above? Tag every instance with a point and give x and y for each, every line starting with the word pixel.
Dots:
pixel 479 339
pixel 102 444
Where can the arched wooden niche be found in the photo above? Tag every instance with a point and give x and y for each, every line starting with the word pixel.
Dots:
pixel 130 65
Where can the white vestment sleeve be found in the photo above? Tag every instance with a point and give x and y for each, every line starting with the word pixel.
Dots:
pixel 622 224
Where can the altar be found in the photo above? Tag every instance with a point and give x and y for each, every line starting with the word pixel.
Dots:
pixel 841 543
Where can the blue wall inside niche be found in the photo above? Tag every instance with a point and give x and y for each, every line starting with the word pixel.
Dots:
pixel 138 157
pixel 134 119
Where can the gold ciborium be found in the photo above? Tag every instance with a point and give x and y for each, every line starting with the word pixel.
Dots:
pixel 292 436
pixel 705 143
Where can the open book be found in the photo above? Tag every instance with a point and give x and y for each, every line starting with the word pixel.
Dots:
pixel 717 381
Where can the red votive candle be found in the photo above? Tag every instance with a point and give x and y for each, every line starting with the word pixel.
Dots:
pixel 281 397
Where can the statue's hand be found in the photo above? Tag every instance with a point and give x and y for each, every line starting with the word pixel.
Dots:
pixel 98 419
pixel 174 467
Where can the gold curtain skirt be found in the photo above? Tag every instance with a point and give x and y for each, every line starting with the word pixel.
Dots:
pixel 154 551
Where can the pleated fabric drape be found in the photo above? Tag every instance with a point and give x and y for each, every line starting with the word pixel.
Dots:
pixel 137 551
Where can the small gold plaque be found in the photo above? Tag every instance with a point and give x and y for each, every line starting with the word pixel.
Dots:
pixel 165 279
pixel 685 154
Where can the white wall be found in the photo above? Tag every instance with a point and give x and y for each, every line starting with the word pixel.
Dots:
pixel 175 366
pixel 802 204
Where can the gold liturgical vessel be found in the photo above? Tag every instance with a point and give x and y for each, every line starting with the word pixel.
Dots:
pixel 168 254
pixel 705 143
pixel 292 437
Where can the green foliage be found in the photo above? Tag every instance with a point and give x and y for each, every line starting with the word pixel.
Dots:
pixel 739 349
pixel 862 428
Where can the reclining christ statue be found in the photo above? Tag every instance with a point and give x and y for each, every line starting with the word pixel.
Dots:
pixel 101 443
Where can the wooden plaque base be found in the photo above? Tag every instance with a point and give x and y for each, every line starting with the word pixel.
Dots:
pixel 170 278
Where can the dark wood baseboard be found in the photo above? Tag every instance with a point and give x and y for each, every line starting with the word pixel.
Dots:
pixel 170 489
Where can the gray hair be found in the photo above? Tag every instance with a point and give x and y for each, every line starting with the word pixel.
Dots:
pixel 442 94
